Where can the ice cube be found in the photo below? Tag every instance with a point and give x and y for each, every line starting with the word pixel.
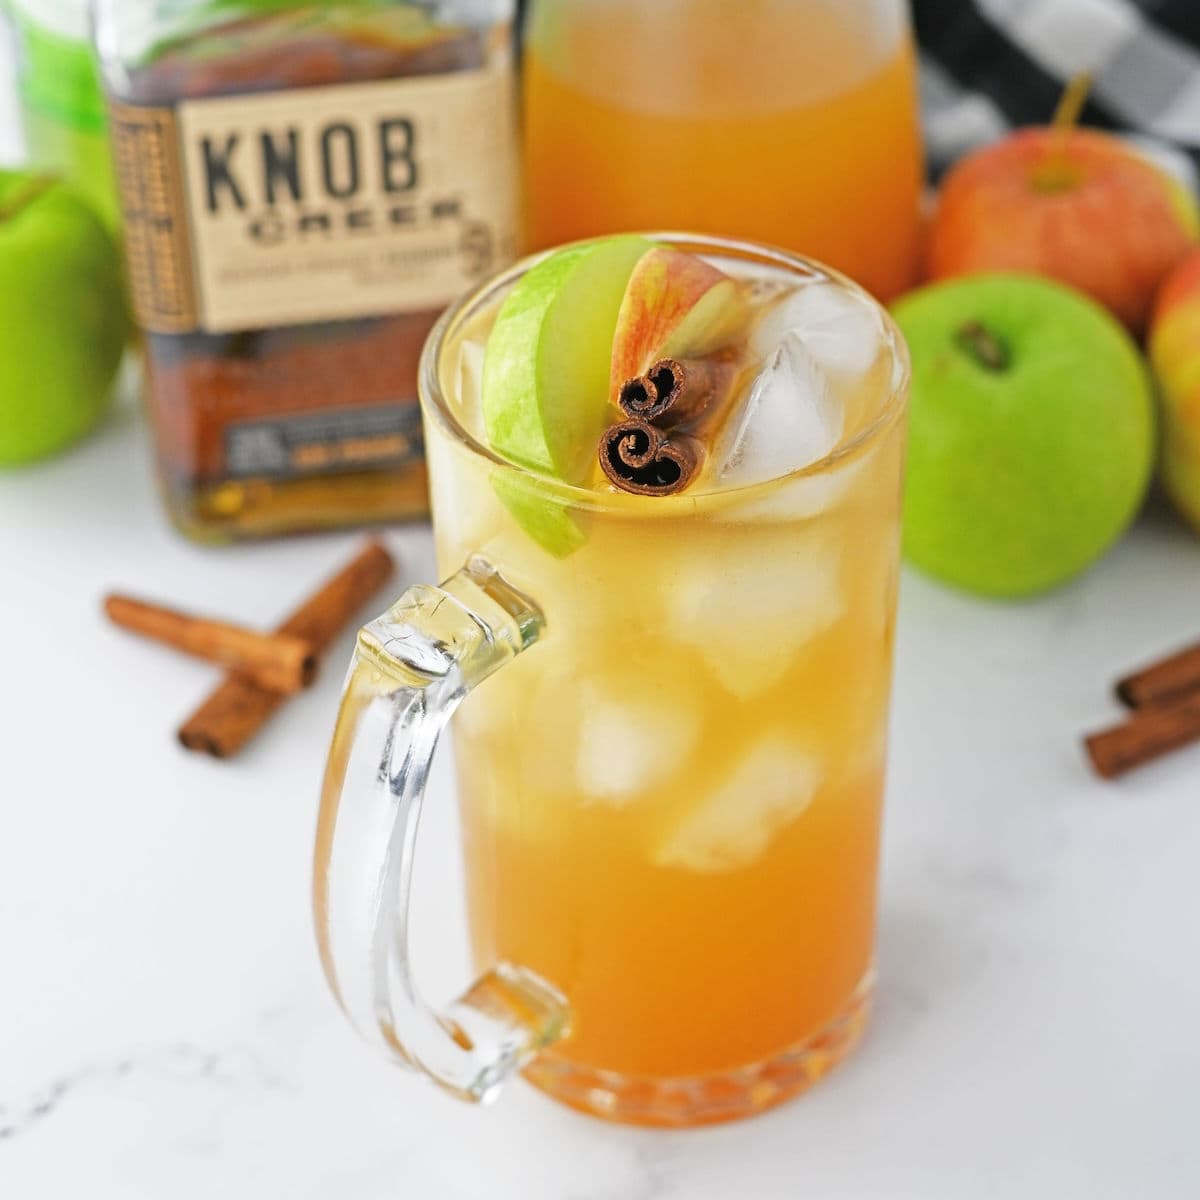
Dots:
pixel 733 825
pixel 469 397
pixel 749 610
pixel 841 331
pixel 631 745
pixel 790 417
pixel 801 498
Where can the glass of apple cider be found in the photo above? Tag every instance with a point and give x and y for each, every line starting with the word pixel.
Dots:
pixel 670 795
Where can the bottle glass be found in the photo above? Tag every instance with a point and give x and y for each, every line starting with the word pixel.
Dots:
pixel 61 105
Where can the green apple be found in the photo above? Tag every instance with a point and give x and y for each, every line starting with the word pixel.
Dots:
pixel 63 321
pixel 1032 432
pixel 546 367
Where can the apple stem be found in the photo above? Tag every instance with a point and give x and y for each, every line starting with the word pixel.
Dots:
pixel 25 195
pixel 1070 106
pixel 1055 174
pixel 987 350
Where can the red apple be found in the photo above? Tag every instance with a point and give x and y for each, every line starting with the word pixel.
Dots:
pixel 675 306
pixel 1175 356
pixel 1075 205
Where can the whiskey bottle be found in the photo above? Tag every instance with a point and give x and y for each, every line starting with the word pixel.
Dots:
pixel 304 187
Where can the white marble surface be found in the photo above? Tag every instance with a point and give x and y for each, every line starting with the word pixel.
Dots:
pixel 164 1030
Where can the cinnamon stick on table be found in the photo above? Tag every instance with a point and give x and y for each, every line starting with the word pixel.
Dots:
pixel 239 707
pixel 1168 677
pixel 1151 731
pixel 279 662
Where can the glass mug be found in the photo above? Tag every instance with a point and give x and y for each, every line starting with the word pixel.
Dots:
pixel 670 794
pixel 792 122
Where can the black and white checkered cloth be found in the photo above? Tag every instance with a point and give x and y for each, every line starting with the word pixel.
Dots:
pixel 990 65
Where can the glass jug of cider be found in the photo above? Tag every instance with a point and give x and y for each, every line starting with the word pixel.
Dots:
pixel 791 122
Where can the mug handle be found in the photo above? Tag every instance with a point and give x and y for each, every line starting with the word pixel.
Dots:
pixel 412 668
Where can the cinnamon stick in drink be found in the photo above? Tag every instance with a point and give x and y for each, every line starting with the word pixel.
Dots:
pixel 656 450
pixel 239 707
pixel 675 391
pixel 1155 729
pixel 279 662
pixel 1168 677
pixel 639 458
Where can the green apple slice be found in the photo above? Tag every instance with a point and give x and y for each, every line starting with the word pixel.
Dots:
pixel 548 521
pixel 546 369
pixel 546 380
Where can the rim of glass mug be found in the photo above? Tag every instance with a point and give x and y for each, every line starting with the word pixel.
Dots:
pixel 435 406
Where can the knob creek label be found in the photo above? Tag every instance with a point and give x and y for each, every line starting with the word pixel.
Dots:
pixel 317 204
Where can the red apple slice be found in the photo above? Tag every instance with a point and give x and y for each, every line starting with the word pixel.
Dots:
pixel 675 306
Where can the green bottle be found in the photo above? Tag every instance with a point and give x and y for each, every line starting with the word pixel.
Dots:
pixel 62 106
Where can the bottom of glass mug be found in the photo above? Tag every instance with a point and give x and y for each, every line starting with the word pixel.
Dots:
pixel 707 1099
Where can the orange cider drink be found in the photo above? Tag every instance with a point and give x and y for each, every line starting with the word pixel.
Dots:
pixel 793 122
pixel 670 796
